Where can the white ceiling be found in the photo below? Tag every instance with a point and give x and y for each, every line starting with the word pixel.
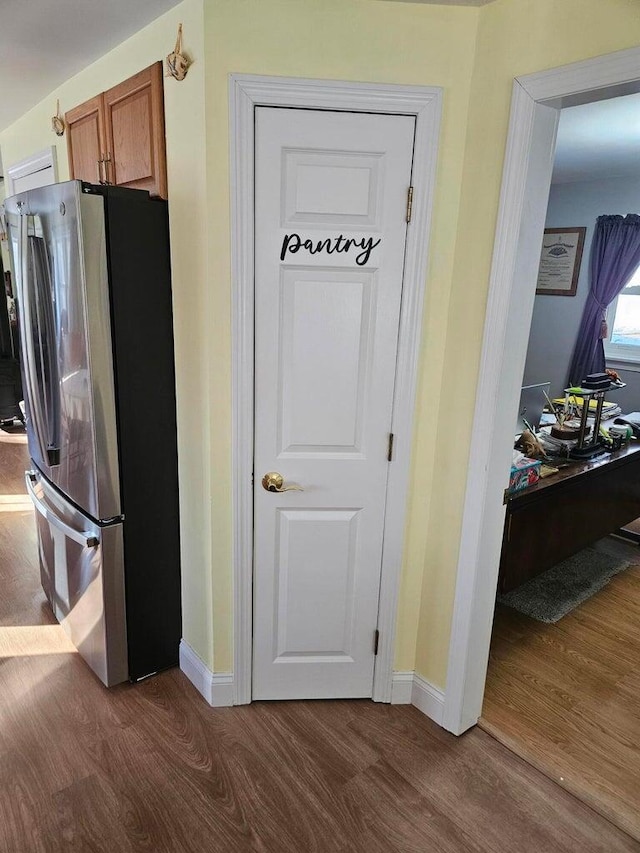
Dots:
pixel 44 42
pixel 599 140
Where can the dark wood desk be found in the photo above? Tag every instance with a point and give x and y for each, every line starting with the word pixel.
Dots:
pixel 565 512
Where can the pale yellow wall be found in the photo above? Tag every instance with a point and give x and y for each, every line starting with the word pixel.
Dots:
pixel 515 37
pixel 361 40
pixel 190 227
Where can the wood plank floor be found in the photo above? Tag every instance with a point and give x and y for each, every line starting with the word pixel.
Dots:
pixel 566 697
pixel 152 768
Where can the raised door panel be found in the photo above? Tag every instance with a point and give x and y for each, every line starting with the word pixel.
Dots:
pixel 313 543
pixel 134 121
pixel 85 140
pixel 324 364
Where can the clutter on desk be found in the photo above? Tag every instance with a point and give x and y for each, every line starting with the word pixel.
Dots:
pixel 588 399
pixel 555 446
pixel 547 470
pixel 568 431
pixel 572 428
pixel 611 441
pixel 631 420
pixel 530 445
pixel 558 444
pixel 561 430
pixel 525 472
pixel 589 445
pixel 597 382
pixel 614 377
pixel 624 430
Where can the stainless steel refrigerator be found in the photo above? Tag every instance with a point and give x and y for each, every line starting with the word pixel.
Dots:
pixel 92 270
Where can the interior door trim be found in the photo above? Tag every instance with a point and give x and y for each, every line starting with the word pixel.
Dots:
pixel 39 162
pixel 425 103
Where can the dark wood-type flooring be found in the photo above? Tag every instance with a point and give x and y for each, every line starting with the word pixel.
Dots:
pixel 152 768
pixel 566 697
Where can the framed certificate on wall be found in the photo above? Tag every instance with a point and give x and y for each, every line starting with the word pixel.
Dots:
pixel 560 261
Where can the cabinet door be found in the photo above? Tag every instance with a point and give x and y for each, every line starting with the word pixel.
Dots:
pixel 134 122
pixel 86 140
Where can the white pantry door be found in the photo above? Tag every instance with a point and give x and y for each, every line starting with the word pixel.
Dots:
pixel 330 228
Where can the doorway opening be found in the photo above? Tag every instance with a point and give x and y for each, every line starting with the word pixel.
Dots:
pixel 536 103
pixel 563 671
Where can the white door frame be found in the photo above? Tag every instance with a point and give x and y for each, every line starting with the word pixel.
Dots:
pixel 245 93
pixel 537 100
pixel 38 162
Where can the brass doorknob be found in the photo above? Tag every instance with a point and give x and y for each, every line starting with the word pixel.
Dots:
pixel 274 482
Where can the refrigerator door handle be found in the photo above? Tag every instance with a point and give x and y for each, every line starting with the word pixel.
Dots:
pixel 38 319
pixel 81 537
pixel 26 332
pixel 46 328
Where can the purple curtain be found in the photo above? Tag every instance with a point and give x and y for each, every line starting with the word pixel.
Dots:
pixel 615 256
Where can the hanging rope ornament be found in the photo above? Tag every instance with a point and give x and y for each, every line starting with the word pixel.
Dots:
pixel 177 63
pixel 57 122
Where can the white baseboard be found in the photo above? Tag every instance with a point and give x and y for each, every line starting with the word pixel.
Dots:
pixel 409 688
pixel 401 688
pixel 216 687
pixel 428 698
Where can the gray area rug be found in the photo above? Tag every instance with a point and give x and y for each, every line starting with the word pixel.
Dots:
pixel 551 595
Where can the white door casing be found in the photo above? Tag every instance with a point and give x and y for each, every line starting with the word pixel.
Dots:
pixel 246 93
pixel 331 202
pixel 39 170
pixel 536 102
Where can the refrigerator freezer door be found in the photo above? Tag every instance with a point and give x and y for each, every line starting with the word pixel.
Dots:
pixel 57 237
pixel 82 572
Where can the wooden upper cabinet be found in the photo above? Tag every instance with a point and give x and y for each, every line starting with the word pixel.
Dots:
pixel 127 124
pixel 134 121
pixel 86 140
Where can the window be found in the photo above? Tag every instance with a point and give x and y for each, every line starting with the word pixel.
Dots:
pixel 623 319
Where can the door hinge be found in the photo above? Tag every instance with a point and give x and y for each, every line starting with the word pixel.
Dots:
pixel 390 448
pixel 409 203
pixel 376 640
